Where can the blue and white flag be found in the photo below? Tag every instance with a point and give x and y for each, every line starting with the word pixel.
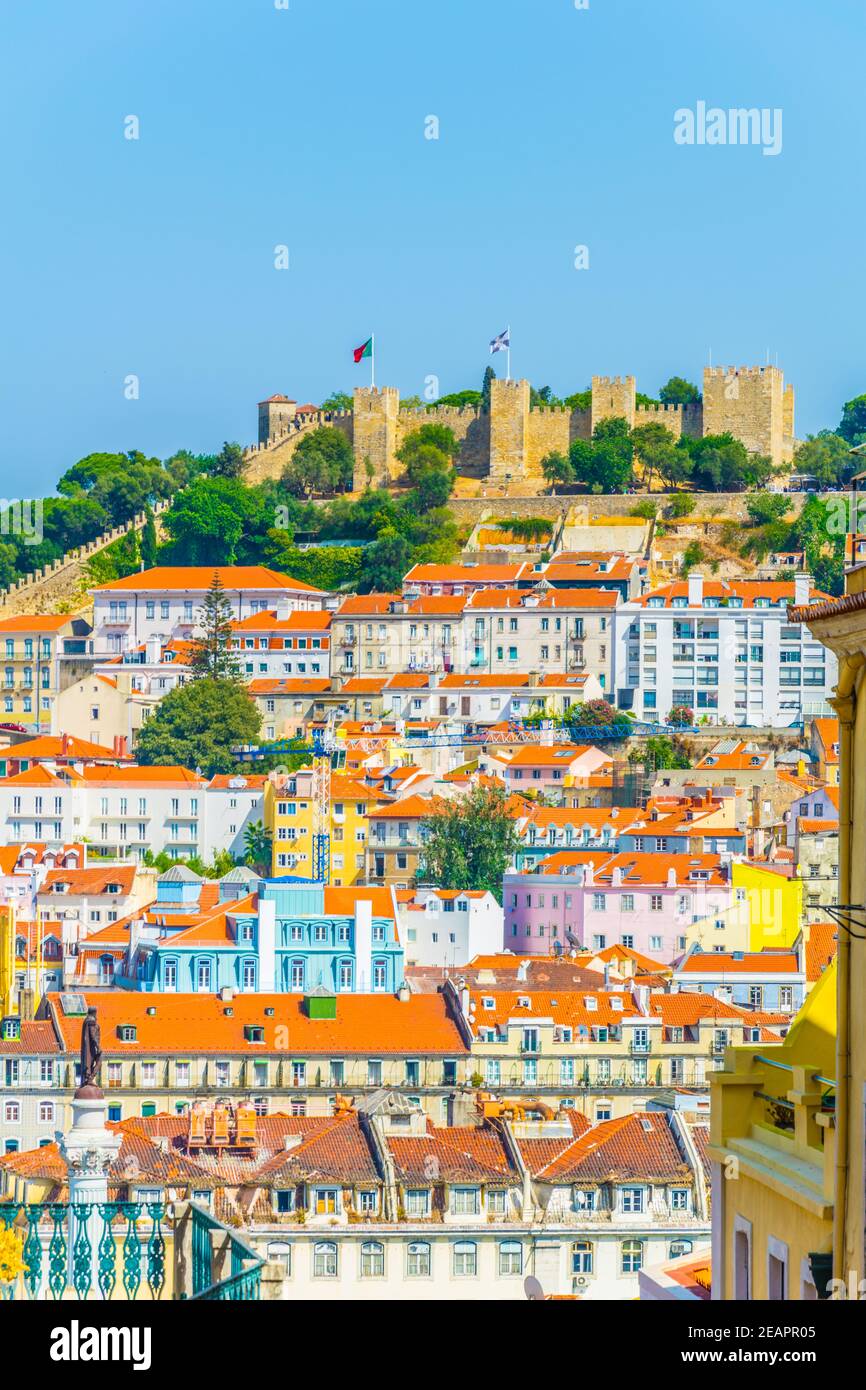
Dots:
pixel 501 343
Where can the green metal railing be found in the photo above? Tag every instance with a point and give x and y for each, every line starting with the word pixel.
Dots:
pixel 59 1255
pixel 243 1283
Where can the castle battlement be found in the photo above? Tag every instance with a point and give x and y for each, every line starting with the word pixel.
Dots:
pixel 660 409
pixel 382 391
pixel 454 412
pixel 743 371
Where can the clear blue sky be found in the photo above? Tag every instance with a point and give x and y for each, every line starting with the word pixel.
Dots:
pixel 306 127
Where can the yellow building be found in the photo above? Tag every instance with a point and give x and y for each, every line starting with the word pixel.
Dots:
pixel 290 816
pixel 766 913
pixel 773 1153
pixel 32 647
pixel 841 625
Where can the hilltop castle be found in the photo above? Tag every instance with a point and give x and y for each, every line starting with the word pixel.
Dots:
pixel 507 444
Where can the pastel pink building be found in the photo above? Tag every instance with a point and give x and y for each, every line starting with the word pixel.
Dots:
pixel 587 900
pixel 540 768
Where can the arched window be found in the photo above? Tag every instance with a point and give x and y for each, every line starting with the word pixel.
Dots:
pixel 679 1247
pixel 281 1250
pixel 372 1259
pixel 248 976
pixel 581 1257
pixel 379 974
pixel 510 1257
pixel 344 976
pixel 632 1256
pixel 465 1258
pixel 324 1260
pixel 296 976
pixel 203 977
pixel 418 1259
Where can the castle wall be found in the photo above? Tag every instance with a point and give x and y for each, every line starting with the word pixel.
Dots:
pixel 471 429
pixel 747 402
pixel 509 412
pixel 376 412
pixel 613 396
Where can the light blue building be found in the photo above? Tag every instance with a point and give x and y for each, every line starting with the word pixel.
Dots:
pixel 296 937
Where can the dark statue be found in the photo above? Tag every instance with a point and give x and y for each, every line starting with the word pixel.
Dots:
pixel 91 1051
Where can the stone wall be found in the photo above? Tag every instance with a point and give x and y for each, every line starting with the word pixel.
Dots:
pixel 752 404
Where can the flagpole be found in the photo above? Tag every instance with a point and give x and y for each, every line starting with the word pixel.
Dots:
pixel 373 361
pixel 508 352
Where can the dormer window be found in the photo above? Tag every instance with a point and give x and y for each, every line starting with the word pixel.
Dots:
pixel 126 1032
pixel 591 1003
pixel 488 1003
pixel 523 1002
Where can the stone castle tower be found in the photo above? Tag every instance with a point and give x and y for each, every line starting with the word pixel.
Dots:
pixel 508 443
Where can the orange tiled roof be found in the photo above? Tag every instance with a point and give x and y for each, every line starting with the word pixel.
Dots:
pixel 318 620
pixel 735 963
pixel 635 1146
pixel 290 685
pixel 198 579
pixel 366 1025
pixel 572 1008
pixel 90 881
pixel 35 622
pixel 777 591
pixel 821 946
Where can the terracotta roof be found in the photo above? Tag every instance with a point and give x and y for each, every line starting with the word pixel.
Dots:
pixel 571 1008
pixel 198 578
pixel 456 1154
pixel 508 680
pixel 362 605
pixel 463 574
pixel 821 945
pixel 37 1037
pixel 555 755
pixel 638 1146
pixel 777 591
pixel 828 735
pixel 290 685
pixel 35 622
pixel 737 963
pixel 318 620
pixel 530 600
pixel 90 881
pixel 62 746
pixel 366 1025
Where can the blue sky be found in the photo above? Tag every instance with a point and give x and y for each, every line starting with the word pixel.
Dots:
pixel 305 127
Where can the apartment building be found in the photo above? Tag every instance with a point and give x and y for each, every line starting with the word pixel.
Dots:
pixel 602 1050
pixel 549 632
pixel 298 644
pixel 447 928
pixel 770 980
pixel 290 815
pixel 673 643
pixel 534 768
pixel 640 900
pixel 36 649
pixel 288 703
pixel 115 698
pixel 395 840
pixel 374 1202
pixel 384 634
pixel 125 811
pixel 164 603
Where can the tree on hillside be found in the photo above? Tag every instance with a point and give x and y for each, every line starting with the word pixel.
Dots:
pixel 678 391
pixel 323 463
pixel 721 463
pixel 229 462
pixel 338 400
pixel 198 725
pixel 658 753
pixel 436 436
pixel 213 658
pixel 557 470
pixel 385 562
pixel 852 426
pixel 206 522
pixel 827 458
pixel 656 451
pixel 597 714
pixel 148 543
pixel 489 375
pixel 764 507
pixel 469 842
pixel 605 464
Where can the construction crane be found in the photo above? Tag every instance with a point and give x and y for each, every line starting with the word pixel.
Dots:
pixel 323 750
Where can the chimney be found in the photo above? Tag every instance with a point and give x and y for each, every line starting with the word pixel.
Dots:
pixel 802 589
pixel 364 944
pixel 696 590
pixel 283 608
pixel 119 745
pixel 152 651
pixel 672 878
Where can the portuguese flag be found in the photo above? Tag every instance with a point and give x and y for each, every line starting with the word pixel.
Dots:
pixel 365 350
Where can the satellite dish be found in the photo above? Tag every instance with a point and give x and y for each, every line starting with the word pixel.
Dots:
pixel 533 1290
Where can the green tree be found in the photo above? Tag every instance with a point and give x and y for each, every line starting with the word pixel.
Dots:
pixel 692 555
pixel 605 464
pixel 148 540
pixel 826 457
pixel 557 470
pixel 657 753
pixel 206 522
pixel 435 436
pixel 198 725
pixel 722 463
pixel 579 400
pixel 229 462
pixel 385 562
pixel 656 451
pixel 597 714
pixel 258 847
pixel 678 391
pixel 469 842
pixel 680 505
pixel 764 507
pixel 852 426
pixel 212 658
pixel 338 400
pixel 489 375
pixel 323 463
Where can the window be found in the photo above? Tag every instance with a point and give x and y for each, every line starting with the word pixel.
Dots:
pixel 418 1260
pixel 367 1202
pixel 418 1201
pixel 510 1257
pixel 464 1201
pixel 284 1200
pixel 679 1199
pixel 326 1201
pixel 12 1112
pixel 465 1259
pixel 581 1257
pixel 281 1252
pixel 631 1255
pixel 324 1260
pixel 46 1112
pixel 633 1199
